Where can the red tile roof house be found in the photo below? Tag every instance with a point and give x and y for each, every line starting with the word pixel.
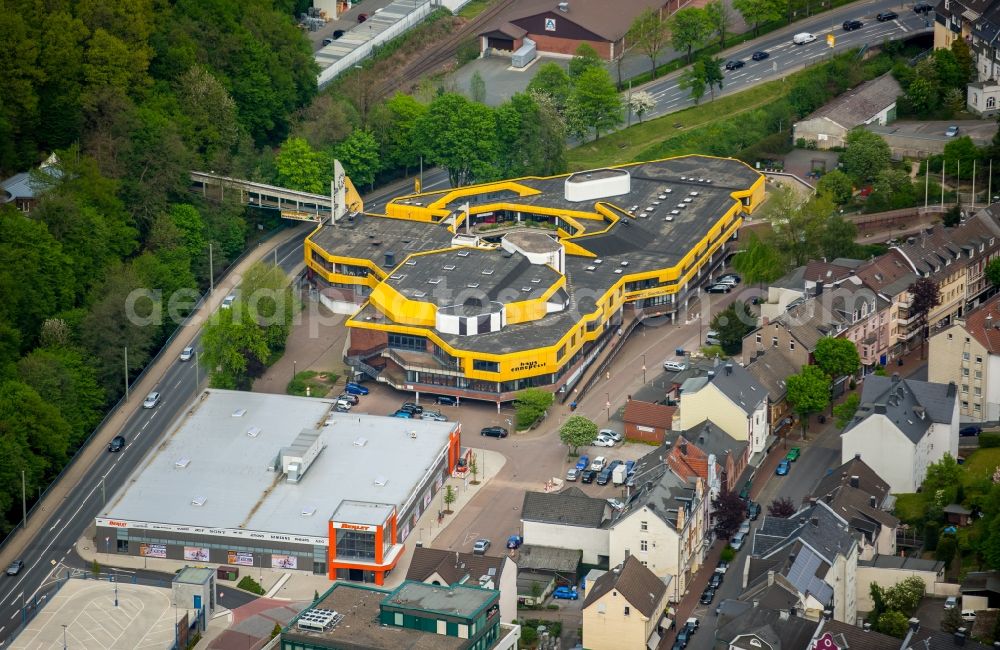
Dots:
pixel 648 422
pixel 689 457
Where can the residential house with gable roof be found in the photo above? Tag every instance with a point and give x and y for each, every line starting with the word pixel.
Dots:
pixel 625 608
pixel 647 421
pixel 438 566
pixel 807 562
pixel 836 635
pixel 860 496
pixel 771 367
pixel 968 354
pixel 706 451
pixel 569 516
pixel 733 400
pixel 872 102
pixel 763 628
pixel 901 427
pixel 891 275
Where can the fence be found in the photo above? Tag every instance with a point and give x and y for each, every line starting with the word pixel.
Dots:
pixel 113 411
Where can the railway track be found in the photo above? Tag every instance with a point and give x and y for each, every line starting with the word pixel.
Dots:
pixel 440 54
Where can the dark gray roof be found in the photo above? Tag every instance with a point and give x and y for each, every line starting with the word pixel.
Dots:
pixel 635 582
pixel 548 558
pixel 664 493
pixel 771 367
pixel 903 401
pixel 778 629
pixel 714 441
pixel 569 507
pixel 856 493
pixel 861 104
pixel 734 382
pixel 794 279
pixel 771 532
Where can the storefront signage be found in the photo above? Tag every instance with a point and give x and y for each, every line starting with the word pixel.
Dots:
pixel 550 24
pixel 242 559
pixel 346 526
pixel 152 550
pixel 639 427
pixel 284 561
pixel 237 533
pixel 527 365
pixel 196 553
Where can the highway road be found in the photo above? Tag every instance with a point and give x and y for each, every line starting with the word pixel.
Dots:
pixel 785 57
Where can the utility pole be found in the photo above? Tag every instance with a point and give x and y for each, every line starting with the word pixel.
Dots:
pixel 927 180
pixel 126 373
pixel 24 503
pixel 197 373
pixel 211 271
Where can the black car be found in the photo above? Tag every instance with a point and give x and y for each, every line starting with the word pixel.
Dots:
pixel 715 581
pixel 753 511
pixel 494 432
pixel 719 288
pixel 410 407
pixel 970 431
pixel 604 476
pixel 446 400
pixel 707 596
pixel 886 16
pixel 851 25
pixel 117 444
pixel 923 8
pixel 683 637
pixel 734 65
pixel 337 33
pixel 760 55
pixel 587 476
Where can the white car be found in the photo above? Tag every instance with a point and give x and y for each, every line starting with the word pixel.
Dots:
pixel 187 353
pixel 616 504
pixel 737 541
pixel 610 433
pixel 674 366
pixel 598 463
pixel 151 400
pixel 228 301
pixel 745 528
pixel 603 442
pixel 803 38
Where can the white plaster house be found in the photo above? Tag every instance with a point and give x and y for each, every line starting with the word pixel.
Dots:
pixel 733 400
pixel 901 427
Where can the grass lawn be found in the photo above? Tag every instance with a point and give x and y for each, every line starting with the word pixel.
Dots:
pixel 982 462
pixel 909 507
pixel 473 9
pixel 320 384
pixel 624 146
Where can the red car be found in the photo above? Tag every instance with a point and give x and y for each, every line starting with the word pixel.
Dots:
pixel 362 18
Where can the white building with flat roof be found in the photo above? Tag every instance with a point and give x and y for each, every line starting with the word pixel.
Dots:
pixel 274 480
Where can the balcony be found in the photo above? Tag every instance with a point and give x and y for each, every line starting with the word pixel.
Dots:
pixel 422 362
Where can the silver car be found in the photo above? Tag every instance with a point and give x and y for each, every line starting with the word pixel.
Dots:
pixel 436 416
pixel 151 400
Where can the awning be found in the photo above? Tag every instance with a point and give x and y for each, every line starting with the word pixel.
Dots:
pixel 653 641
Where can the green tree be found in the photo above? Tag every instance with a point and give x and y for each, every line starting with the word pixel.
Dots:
pixel 993 271
pixel 892 623
pixel 530 137
pixel 838 185
pixel 758 12
pixel 530 404
pixel 553 81
pixel 732 324
pixel 837 357
pixel 689 28
pixel 865 155
pixel 359 153
pixel 808 392
pixel 477 88
pixel 210 125
pixel 923 95
pixel 61 377
pixel 924 296
pixel 959 154
pixel 276 630
pixel 584 58
pixel 300 167
pixel 943 477
pixel 837 238
pixel 712 73
pixel 460 136
pixel 798 225
pixel 577 432
pixel 953 216
pixel 640 102
pixel 782 508
pixel 758 261
pixel 595 102
pixel 449 498
pixel 233 346
pixel 396 132
pixel 267 296
pixel 474 469
pixel 965 63
pixel 649 34
pixel 951 620
pixel 728 512
pixel 844 412
pixel 892 189
pixel 720 18
pixel 693 81
pixel 946 549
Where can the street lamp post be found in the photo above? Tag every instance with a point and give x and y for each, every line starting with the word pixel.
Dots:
pixel 607 405
pixel 644 369
pixel 64 636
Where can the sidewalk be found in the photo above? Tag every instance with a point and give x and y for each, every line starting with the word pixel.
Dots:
pixel 38 521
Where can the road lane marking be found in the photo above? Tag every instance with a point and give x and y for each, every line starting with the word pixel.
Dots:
pixel 14 599
pixel 52 527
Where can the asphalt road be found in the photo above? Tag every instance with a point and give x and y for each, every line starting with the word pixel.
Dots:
pixel 786 57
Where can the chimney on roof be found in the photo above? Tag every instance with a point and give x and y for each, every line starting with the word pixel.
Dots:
pixel 783 614
pixel 456 559
pixel 914 625
pixel 729 368
pixel 873 502
pixel 857 456
pixel 770 577
pixel 829 497
pixel 855 481
pixel 814 521
pixel 827 615
pixel 867 626
pixel 951 389
pixel 683 447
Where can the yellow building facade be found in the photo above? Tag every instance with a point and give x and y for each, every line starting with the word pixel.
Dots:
pixel 481 291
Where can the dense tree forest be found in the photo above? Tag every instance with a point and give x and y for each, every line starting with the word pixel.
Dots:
pixel 130 95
